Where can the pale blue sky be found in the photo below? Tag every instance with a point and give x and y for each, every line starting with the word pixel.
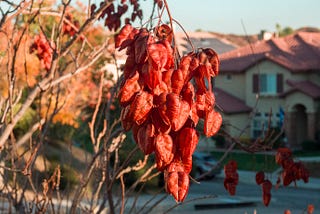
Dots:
pixel 225 15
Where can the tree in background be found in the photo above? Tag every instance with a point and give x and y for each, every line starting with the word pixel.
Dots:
pixel 284 31
pixel 53 62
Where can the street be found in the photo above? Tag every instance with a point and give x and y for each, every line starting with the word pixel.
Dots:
pixel 211 197
pixel 295 199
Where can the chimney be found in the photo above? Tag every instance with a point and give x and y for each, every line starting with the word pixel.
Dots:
pixel 265 35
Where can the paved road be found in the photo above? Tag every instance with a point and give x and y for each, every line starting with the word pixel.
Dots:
pixel 248 199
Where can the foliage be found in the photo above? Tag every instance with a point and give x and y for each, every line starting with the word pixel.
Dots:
pixel 56 81
pixel 284 31
pixel 310 145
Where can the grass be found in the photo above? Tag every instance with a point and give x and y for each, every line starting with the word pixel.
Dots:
pixel 307 153
pixel 266 162
pixel 250 162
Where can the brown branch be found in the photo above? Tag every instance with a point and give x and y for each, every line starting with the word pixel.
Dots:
pixel 94 116
pixel 140 165
pixel 44 85
pixel 29 133
pixel 123 194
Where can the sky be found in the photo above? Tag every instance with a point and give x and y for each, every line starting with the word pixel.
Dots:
pixel 239 16
pixel 227 16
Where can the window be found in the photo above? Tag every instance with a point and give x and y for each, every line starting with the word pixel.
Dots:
pixel 260 123
pixel 258 127
pixel 267 84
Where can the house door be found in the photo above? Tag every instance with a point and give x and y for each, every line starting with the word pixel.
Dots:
pixel 301 124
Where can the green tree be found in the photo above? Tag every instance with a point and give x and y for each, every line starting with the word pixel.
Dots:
pixel 284 31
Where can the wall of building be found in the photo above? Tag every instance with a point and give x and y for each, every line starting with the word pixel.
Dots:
pixel 315 78
pixel 232 83
pixel 237 125
pixel 299 98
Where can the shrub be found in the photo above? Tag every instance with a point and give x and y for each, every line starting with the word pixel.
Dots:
pixel 310 145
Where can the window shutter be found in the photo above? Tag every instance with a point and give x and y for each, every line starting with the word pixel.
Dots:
pixel 279 83
pixel 255 83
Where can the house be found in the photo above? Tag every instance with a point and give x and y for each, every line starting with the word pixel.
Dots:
pixel 277 80
pixel 203 39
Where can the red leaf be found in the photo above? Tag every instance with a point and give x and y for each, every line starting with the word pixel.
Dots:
pixel 177 181
pixel 140 46
pixel 126 119
pixel 161 124
pixel 158 55
pixel 172 180
pixel 141 106
pixel 184 66
pixel 310 208
pixel 145 137
pixel 161 88
pixel 260 177
pixel 164 149
pixel 177 112
pixel 166 77
pixel 266 186
pixel 129 67
pixel 151 76
pixel 122 9
pixel 164 32
pixel 123 35
pixel 212 123
pixel 283 154
pixel 266 199
pixel 193 66
pixel 187 141
pixel 183 184
pixel 188 93
pixel 177 81
pixel 230 187
pixel 130 87
pixel 213 60
pixel 194 115
pixel 170 55
pixel 199 79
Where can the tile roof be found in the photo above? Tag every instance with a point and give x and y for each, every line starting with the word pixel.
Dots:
pixel 201 40
pixel 299 52
pixel 230 104
pixel 307 87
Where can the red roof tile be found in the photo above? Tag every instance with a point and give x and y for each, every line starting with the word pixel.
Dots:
pixel 298 52
pixel 306 87
pixel 230 104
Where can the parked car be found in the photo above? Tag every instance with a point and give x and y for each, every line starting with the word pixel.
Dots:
pixel 203 163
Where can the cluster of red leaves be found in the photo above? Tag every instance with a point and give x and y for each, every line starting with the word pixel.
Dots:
pixel 112 14
pixel 266 186
pixel 43 50
pixel 231 179
pixel 67 29
pixel 310 209
pixel 292 171
pixel 161 105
